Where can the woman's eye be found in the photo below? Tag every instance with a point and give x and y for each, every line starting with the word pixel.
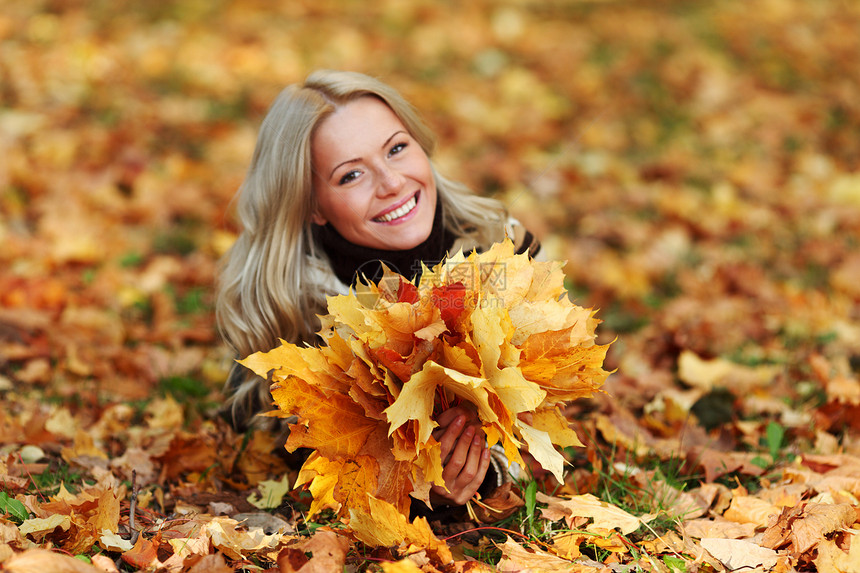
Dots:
pixel 348 177
pixel 397 149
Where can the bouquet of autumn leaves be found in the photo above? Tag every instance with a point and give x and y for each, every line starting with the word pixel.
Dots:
pixel 496 330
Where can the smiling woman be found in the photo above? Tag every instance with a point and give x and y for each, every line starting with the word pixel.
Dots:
pixel 341 183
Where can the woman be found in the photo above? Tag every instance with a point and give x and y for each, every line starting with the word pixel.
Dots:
pixel 340 183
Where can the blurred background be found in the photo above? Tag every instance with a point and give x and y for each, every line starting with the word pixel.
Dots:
pixel 696 163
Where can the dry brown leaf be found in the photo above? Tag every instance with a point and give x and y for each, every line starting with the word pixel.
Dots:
pixel 604 515
pixel 290 560
pixel 749 509
pixel 739 553
pixel 44 561
pixel 165 414
pixel 11 535
pixel 708 374
pixel 143 555
pixel 107 515
pixel 833 559
pixel 567 544
pixel 328 553
pixel 210 564
pixel 718 528
pixel 499 505
pixel 801 528
pixel 85 452
pixel 184 547
pixel 519 558
pixel 106 564
pixel 819 520
pixel 717 463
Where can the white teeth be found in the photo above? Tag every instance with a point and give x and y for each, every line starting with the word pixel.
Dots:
pixel 399 212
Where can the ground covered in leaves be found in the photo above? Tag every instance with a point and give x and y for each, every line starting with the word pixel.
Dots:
pixel 696 164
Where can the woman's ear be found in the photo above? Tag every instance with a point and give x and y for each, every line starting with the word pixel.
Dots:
pixel 316 217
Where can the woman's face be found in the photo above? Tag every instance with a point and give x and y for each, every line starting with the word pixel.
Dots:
pixel 371 178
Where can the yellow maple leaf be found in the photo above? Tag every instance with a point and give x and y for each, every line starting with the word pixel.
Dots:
pixel 556 426
pixel 320 475
pixel 492 330
pixel 343 482
pixel 416 399
pixel 107 514
pixel 348 312
pixel 271 494
pixel 429 462
pixel 357 477
pixel 517 393
pixel 529 318
pixel 459 358
pixel 541 448
pixel 38 527
pixel 316 412
pixel 383 525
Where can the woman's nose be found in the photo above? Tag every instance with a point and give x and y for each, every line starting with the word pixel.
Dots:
pixel 390 180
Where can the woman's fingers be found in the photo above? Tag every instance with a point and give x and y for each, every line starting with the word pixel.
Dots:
pixel 465 456
pixel 464 472
pixel 484 466
pixel 474 459
pixel 448 416
pixel 471 484
pixel 458 457
pixel 449 436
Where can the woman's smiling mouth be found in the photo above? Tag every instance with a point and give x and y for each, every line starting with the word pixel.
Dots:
pixel 401 211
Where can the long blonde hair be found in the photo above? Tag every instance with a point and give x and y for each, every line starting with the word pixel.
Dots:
pixel 265 291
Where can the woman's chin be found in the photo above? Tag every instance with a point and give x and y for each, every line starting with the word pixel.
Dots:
pixel 409 236
pixel 405 244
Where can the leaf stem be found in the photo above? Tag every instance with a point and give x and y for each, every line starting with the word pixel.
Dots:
pixel 483 528
pixel 32 481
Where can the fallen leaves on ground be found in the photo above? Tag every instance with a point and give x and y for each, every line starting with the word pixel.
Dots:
pixel 695 163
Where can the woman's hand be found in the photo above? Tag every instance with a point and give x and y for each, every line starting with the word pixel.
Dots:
pixel 465 456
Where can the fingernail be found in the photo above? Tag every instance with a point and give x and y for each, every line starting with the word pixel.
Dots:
pixel 469 431
pixel 460 420
pixel 477 439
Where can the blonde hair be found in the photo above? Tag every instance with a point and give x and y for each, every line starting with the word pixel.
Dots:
pixel 265 291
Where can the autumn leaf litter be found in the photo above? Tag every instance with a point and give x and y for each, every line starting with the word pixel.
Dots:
pixel 696 167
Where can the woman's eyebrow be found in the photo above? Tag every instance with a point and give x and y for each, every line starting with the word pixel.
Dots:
pixel 393 135
pixel 342 163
